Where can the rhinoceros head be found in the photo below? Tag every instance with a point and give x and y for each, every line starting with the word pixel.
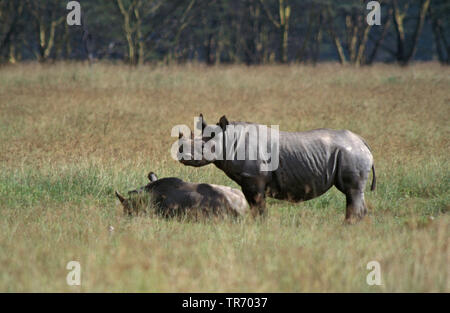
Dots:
pixel 192 149
pixel 137 200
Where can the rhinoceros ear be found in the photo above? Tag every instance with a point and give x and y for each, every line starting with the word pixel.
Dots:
pixel 152 177
pixel 202 121
pixel 223 122
pixel 121 198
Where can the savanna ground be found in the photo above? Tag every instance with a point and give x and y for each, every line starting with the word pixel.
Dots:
pixel 70 134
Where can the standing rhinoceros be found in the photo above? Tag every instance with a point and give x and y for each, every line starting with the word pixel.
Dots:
pixel 171 197
pixel 309 163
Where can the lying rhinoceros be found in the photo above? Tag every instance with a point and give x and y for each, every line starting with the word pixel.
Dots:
pixel 309 163
pixel 171 197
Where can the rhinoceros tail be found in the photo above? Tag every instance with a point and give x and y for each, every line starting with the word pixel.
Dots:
pixel 374 179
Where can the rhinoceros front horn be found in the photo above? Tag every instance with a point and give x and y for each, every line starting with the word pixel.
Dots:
pixel 120 197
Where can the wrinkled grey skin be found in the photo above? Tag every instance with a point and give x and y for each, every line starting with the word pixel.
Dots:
pixel 173 197
pixel 310 163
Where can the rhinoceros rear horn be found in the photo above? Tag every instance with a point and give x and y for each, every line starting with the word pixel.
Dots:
pixel 223 122
pixel 202 120
pixel 152 177
pixel 120 197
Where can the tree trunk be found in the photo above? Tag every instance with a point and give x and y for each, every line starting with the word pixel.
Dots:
pixel 12 53
pixel 404 55
pixel 301 51
pixel 352 36
pixel 316 52
pixel 442 47
pixel 140 39
pixel 362 46
pixel 425 4
pixel 208 50
pixel 15 13
pixel 380 39
pixel 51 38
pixel 126 13
pixel 285 13
pixel 335 37
pixel 400 33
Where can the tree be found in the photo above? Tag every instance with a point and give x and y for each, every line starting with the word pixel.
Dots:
pixel 382 35
pixel 224 31
pixel 133 12
pixel 282 24
pixel 406 50
pixel 356 30
pixel 330 23
pixel 439 13
pixel 10 14
pixel 46 15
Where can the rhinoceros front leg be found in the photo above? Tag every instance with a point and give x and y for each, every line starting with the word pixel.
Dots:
pixel 257 203
pixel 254 192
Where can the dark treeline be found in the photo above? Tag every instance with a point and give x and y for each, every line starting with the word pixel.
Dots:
pixel 225 31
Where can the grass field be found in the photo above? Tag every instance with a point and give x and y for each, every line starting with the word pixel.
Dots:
pixel 71 134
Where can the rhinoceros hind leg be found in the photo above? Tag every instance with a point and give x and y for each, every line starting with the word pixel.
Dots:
pixel 356 207
pixel 352 184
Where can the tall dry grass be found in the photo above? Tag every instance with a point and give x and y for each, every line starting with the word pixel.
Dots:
pixel 70 134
